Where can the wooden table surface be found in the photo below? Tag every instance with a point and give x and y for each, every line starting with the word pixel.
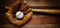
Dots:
pixel 38 20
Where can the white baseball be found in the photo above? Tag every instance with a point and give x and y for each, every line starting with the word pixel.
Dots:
pixel 19 14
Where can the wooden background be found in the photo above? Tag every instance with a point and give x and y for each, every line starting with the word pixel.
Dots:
pixel 38 20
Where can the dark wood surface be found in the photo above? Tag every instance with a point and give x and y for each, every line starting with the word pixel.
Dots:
pixel 37 20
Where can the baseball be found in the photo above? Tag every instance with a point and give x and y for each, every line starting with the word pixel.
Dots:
pixel 19 14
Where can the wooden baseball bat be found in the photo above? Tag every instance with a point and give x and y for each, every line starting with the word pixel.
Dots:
pixel 50 11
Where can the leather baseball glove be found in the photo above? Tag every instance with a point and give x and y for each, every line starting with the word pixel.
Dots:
pixel 18 5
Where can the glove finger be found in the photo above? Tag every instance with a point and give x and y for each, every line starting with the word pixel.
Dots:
pixel 24 7
pixel 27 11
